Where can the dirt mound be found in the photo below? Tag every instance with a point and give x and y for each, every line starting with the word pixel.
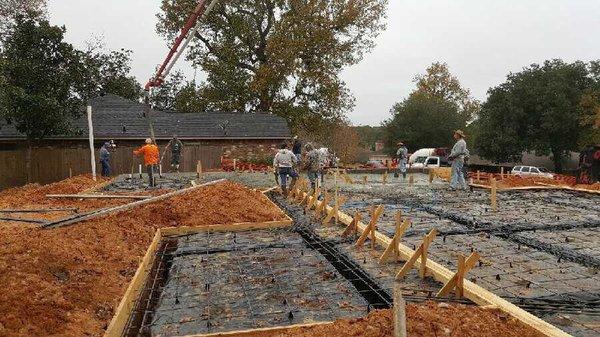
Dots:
pixel 68 281
pixel 423 320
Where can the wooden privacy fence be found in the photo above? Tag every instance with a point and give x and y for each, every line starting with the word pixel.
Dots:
pixel 50 164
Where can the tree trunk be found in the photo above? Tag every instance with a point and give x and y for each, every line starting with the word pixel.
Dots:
pixel 28 160
pixel 557 157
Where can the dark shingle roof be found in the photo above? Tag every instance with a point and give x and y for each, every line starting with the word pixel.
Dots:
pixel 117 118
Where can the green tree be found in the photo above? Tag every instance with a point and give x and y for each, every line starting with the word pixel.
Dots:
pixel 422 121
pixel 439 82
pixel 369 135
pixel 107 73
pixel 38 73
pixel 188 100
pixel 427 118
pixel 9 9
pixel 279 56
pixel 163 98
pixel 540 109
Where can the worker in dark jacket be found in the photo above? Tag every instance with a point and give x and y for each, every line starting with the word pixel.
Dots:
pixel 104 159
pixel 176 147
pixel 297 148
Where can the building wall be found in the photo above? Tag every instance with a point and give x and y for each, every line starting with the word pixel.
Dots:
pixel 56 160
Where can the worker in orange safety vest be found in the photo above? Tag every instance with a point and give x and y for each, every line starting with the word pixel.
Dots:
pixel 150 153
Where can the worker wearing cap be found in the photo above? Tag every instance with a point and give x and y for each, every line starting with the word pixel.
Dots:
pixel 457 156
pixel 402 155
pixel 312 164
pixel 176 147
pixel 284 162
pixel 104 159
pixel 150 153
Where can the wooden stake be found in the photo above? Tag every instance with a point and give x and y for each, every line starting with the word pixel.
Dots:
pixel 411 179
pixel 353 226
pixel 313 199
pixel 235 164
pixel 478 175
pixel 199 168
pixel 457 281
pixel 493 195
pixel 399 313
pixel 70 172
pixel 365 180
pixel 501 173
pixel 370 230
pixel 431 176
pixel 392 249
pixel 385 176
pixel 321 207
pixel 419 253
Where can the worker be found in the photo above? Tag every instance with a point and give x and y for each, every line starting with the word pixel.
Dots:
pixel 402 155
pixel 176 147
pixel 105 159
pixel 297 148
pixel 150 153
pixel 284 162
pixel 457 156
pixel 312 164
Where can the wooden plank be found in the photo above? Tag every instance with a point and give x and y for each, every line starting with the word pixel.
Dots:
pixel 125 207
pixel 35 221
pixel 97 196
pixel 123 312
pixel 235 227
pixel 275 329
pixel 40 210
pixel 472 291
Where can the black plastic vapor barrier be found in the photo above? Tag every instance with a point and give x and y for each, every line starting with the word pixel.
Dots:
pixel 364 284
pixel 141 316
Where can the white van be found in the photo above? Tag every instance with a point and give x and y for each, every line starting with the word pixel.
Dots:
pixel 419 157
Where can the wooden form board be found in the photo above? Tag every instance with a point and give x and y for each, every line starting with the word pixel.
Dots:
pixel 241 333
pixel 472 291
pixel 97 196
pixel 119 322
pixel 126 306
pixel 519 188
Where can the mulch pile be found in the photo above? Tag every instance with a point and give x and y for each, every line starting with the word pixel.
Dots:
pixel 423 320
pixel 68 281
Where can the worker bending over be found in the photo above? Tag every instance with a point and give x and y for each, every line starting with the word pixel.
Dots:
pixel 457 156
pixel 284 162
pixel 150 153
pixel 176 147
pixel 402 155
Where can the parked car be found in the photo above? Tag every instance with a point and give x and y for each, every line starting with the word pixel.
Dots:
pixel 532 171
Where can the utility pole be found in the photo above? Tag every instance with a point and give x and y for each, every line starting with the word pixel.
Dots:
pixel 91 134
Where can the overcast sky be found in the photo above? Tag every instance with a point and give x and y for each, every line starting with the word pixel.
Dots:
pixel 481 40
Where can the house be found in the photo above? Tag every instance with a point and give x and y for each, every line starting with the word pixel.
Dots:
pixel 207 137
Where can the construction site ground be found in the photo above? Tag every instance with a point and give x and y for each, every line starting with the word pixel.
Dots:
pixel 538 251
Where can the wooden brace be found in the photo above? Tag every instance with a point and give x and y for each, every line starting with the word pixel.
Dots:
pixel 370 230
pixel 421 252
pixel 457 281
